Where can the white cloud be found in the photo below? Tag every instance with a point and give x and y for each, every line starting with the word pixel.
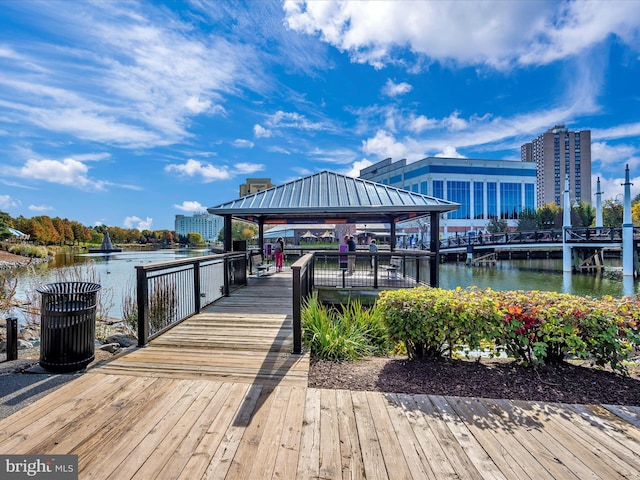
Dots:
pixel 293 120
pixel 40 208
pixel 614 155
pixel 195 105
pixel 449 151
pixel 7 202
pixel 194 168
pixel 260 132
pixel 241 143
pixel 454 122
pixel 494 33
pixel 137 222
pixel 191 206
pixel 248 168
pixel 357 166
pixel 420 123
pixel 66 172
pixel 384 145
pixel 392 89
pixel 134 77
pixel 619 131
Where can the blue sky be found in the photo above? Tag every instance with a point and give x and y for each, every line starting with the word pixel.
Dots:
pixel 128 113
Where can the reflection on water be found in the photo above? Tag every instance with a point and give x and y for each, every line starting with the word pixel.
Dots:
pixel 115 272
pixel 536 274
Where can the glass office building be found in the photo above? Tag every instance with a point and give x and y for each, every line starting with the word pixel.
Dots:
pixel 485 189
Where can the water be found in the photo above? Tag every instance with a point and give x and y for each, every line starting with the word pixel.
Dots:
pixel 544 275
pixel 116 273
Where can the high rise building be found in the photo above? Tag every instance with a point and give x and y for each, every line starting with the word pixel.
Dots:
pixel 556 153
pixel 207 225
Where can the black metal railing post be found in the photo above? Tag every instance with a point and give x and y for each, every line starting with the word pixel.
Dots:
pixel 142 290
pixel 196 287
pixel 297 310
pixel 12 338
pixel 227 274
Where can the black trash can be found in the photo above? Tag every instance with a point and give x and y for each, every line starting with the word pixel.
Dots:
pixel 68 325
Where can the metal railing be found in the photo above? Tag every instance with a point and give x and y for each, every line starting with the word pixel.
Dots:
pixel 303 275
pixel 402 269
pixel 170 292
pixel 595 235
pixel 573 235
pixel 369 270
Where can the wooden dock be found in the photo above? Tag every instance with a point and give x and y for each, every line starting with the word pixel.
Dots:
pixel 221 397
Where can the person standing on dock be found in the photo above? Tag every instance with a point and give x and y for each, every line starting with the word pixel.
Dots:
pixel 278 250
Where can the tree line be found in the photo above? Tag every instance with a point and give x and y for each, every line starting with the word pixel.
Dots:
pixel 44 230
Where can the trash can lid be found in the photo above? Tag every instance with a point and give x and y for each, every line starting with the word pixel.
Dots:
pixel 69 287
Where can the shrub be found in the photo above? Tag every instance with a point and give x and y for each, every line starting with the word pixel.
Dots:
pixel 532 327
pixel 29 251
pixel 350 335
pixel 420 319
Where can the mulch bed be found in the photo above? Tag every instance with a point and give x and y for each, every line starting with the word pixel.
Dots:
pixel 487 378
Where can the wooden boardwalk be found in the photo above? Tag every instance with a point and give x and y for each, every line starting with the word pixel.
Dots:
pixel 219 396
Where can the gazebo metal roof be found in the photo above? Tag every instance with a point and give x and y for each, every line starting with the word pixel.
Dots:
pixel 328 197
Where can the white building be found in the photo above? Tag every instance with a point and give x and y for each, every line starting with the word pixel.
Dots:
pixel 485 189
pixel 207 225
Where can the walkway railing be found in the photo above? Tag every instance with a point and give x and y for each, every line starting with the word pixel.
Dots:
pixel 369 270
pixel 302 287
pixel 573 235
pixel 170 292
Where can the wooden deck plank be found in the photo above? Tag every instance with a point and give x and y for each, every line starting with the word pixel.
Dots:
pixel 134 425
pixel 350 453
pixel 228 401
pixel 435 452
pixel 286 464
pixel 390 445
pixel 309 457
pixel 245 456
pixel 171 454
pixel 372 455
pixel 330 459
pixel 514 461
pixel 525 424
pixel 468 442
pixel 590 446
pixel 461 463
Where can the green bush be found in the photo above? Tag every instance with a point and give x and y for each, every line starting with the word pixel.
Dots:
pixel 350 335
pixel 532 327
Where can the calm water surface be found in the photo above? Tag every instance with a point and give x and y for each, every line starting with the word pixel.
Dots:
pixel 116 273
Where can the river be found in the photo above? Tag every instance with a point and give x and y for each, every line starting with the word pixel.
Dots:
pixel 116 273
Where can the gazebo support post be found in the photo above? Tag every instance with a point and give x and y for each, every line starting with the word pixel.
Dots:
pixel 227 233
pixel 261 234
pixel 392 239
pixel 434 247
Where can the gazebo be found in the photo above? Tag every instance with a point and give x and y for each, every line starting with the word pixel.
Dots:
pixel 331 198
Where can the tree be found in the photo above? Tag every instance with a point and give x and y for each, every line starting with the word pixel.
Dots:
pixel 527 221
pixel 549 216
pixel 240 231
pixel 612 213
pixel 497 225
pixel 195 238
pixel 582 215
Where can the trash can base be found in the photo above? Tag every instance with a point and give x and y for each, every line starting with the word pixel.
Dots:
pixel 55 367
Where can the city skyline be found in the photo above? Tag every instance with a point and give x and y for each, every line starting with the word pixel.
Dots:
pixel 127 114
